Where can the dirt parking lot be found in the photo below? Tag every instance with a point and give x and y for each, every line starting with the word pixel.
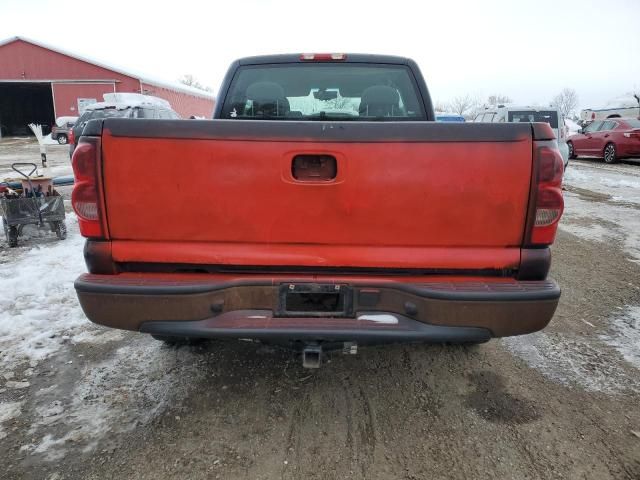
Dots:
pixel 81 402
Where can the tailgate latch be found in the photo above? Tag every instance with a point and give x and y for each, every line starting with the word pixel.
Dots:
pixel 314 168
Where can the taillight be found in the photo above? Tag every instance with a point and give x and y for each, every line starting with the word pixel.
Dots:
pixel 547 196
pixel 71 138
pixel 323 57
pixel 85 198
pixel 632 134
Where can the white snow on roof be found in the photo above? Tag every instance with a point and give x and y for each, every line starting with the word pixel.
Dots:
pixel 60 121
pixel 134 99
pixel 144 78
pixel 122 101
pixel 626 101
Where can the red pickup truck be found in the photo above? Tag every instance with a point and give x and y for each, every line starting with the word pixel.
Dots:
pixel 322 207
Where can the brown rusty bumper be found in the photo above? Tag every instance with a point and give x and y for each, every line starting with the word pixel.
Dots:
pixel 443 310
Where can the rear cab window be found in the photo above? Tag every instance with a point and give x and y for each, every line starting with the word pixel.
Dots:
pixel 547 116
pixel 349 91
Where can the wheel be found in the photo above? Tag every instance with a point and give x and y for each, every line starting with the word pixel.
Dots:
pixel 572 152
pixel 61 230
pixel 12 235
pixel 62 139
pixel 610 153
pixel 172 340
pixel 5 226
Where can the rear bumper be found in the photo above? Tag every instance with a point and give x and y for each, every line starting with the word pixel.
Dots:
pixel 385 309
pixel 367 328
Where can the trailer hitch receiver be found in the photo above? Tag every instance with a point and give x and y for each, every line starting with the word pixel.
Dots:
pixel 312 356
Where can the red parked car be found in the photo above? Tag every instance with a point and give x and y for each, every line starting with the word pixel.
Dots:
pixel 611 139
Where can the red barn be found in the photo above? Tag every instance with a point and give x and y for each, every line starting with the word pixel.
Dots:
pixel 39 83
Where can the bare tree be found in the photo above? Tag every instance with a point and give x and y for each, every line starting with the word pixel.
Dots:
pixel 463 105
pixel 497 99
pixel 566 101
pixel 439 106
pixel 191 81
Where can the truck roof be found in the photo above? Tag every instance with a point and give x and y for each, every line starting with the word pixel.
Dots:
pixel 350 58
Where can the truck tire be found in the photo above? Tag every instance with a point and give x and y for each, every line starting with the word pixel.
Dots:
pixel 609 153
pixel 62 139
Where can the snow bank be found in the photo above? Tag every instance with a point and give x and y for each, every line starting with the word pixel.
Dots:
pixel 38 305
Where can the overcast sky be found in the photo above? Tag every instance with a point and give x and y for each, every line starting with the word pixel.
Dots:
pixel 528 50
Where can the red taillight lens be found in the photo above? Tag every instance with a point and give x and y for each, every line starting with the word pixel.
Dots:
pixel 71 138
pixel 550 165
pixel 323 57
pixel 85 197
pixel 549 203
pixel 549 206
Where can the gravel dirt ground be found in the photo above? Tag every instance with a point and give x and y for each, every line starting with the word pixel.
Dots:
pixel 83 402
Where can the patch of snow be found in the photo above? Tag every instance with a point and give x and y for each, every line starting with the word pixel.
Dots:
pixel 47 140
pixel 16 385
pixel 8 411
pixel 625 335
pixel 38 302
pixel 129 100
pixel 47 446
pixel 130 388
pixel 99 335
pixel 617 183
pixel 573 361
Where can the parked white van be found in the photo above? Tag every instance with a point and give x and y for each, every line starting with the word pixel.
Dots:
pixel 514 114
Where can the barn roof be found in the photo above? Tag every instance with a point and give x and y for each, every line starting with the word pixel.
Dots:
pixel 179 87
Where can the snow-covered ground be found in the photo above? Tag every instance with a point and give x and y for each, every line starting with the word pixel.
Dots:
pixel 39 310
pixel 602 202
pixel 41 320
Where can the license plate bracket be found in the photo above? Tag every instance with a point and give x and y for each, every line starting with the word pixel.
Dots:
pixel 315 300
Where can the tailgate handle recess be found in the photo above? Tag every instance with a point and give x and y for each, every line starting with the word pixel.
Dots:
pixel 314 168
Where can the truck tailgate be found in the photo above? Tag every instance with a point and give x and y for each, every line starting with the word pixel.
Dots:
pixel 409 195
